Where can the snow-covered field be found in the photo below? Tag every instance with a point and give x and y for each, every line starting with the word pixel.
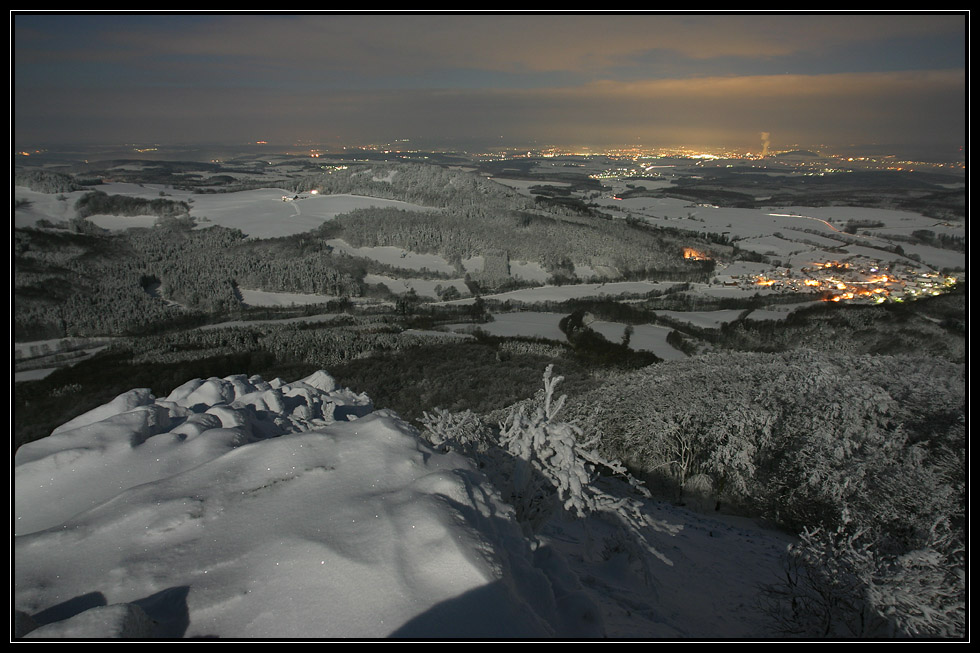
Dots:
pixel 396 257
pixel 422 287
pixel 33 375
pixel 529 271
pixel 43 206
pixel 523 186
pixel 262 213
pixel 259 213
pixel 266 298
pixel 575 291
pixel 239 508
pixel 796 233
pixel 323 317
pixel 527 324
pixel 645 337
pixel 537 324
pixel 33 358
pixel 703 319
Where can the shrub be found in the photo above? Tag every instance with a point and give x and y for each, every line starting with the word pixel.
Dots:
pixel 541 468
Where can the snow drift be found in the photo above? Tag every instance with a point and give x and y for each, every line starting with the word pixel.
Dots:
pixel 240 508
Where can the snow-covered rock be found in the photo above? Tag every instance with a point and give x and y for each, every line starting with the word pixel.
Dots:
pixel 346 528
pixel 121 404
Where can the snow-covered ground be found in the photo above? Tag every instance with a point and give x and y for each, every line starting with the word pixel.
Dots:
pixel 240 508
pixel 39 358
pixel 396 257
pixel 798 234
pixel 33 375
pixel 566 292
pixel 645 337
pixel 703 319
pixel 259 213
pixel 266 298
pixel 539 324
pixel 262 213
pixel 422 287
pixel 524 186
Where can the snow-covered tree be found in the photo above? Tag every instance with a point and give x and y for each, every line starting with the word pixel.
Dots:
pixel 545 450
pixel 543 466
pixel 839 584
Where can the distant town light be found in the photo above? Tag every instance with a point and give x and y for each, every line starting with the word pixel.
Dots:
pixel 691 253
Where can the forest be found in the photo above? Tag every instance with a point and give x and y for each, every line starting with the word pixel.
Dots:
pixel 97 284
pixel 86 281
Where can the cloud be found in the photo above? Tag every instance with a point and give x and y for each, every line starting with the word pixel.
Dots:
pixel 801 109
pixel 591 45
pixel 575 78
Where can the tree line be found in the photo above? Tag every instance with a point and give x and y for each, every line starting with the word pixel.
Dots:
pixel 98 202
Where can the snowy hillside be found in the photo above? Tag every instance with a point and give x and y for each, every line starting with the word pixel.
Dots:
pixel 241 508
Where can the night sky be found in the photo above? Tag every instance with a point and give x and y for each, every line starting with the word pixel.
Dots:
pixel 590 80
